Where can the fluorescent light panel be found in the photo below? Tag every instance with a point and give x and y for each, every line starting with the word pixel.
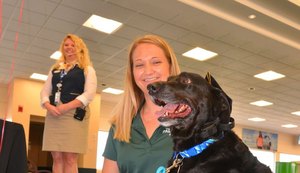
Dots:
pixel 56 55
pixel 289 126
pixel 257 119
pixel 296 113
pixel 199 54
pixel 261 103
pixel 39 76
pixel 102 24
pixel 269 75
pixel 113 91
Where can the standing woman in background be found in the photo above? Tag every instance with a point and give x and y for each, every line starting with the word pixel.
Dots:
pixel 70 87
pixel 136 142
pixel 260 141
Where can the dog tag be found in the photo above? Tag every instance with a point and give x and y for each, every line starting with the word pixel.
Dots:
pixel 177 163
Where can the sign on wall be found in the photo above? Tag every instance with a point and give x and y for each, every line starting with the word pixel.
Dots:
pixel 260 139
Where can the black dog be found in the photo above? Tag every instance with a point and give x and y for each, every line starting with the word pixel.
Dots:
pixel 197 111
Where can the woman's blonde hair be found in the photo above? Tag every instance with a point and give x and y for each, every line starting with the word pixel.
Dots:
pixel 133 95
pixel 83 56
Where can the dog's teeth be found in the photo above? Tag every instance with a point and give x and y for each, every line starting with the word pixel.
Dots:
pixel 181 109
pixel 166 114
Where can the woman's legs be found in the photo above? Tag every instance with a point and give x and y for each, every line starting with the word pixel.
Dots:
pixel 70 162
pixel 64 162
pixel 58 165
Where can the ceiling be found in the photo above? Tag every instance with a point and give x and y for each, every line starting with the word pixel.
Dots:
pixel 246 47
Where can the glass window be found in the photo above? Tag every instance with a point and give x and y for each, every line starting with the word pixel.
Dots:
pixel 288 157
pixel 265 157
pixel 102 136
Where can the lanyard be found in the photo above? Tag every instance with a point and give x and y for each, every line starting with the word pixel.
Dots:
pixel 63 73
pixel 59 85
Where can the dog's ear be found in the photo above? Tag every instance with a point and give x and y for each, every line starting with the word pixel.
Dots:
pixel 225 102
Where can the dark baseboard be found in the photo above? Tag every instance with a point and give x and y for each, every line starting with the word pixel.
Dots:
pixel 81 170
pixel 87 170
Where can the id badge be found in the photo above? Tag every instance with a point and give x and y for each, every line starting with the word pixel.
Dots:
pixel 57 98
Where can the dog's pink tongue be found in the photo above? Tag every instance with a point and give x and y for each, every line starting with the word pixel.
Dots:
pixel 167 108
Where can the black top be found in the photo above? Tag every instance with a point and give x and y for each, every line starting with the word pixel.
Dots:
pixel 72 84
pixel 13 157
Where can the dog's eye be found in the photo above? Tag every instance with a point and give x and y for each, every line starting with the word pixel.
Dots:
pixel 186 80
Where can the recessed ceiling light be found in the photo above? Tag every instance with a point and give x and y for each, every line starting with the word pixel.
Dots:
pixel 56 55
pixel 39 76
pixel 269 75
pixel 261 103
pixel 252 16
pixel 296 113
pixel 289 126
pixel 251 89
pixel 199 54
pixel 256 119
pixel 113 91
pixel 102 24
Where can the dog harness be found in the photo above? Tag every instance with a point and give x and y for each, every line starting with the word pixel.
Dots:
pixel 177 163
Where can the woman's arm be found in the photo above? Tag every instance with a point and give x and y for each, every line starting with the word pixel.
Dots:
pixel 46 90
pixel 90 87
pixel 45 93
pixel 110 166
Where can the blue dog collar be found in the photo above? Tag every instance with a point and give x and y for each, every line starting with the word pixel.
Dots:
pixel 194 150
pixel 188 153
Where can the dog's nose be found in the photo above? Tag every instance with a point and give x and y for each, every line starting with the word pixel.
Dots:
pixel 153 88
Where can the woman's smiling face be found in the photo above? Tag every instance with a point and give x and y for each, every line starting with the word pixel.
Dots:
pixel 149 65
pixel 69 50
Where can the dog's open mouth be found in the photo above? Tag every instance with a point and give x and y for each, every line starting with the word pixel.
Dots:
pixel 172 110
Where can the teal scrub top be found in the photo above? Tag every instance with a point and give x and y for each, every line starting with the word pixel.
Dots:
pixel 141 154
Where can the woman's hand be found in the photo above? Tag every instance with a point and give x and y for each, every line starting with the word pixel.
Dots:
pixel 52 109
pixel 63 108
